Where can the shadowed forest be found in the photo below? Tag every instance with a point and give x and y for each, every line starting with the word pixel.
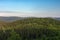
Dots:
pixel 30 29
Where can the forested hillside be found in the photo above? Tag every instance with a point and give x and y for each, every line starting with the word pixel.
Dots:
pixel 30 29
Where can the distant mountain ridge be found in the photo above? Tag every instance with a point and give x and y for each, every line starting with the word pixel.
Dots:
pixel 10 19
pixel 58 18
pixel 14 18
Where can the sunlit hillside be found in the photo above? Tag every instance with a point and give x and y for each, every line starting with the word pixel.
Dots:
pixel 31 29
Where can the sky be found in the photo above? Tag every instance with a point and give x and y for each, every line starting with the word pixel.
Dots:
pixel 30 8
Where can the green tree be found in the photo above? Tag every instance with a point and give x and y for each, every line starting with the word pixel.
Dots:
pixel 14 36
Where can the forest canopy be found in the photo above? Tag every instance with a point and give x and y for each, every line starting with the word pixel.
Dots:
pixel 30 29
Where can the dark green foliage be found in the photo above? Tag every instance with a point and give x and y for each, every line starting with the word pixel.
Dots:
pixel 31 29
pixel 14 36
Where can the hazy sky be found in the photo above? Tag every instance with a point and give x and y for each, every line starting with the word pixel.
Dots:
pixel 37 8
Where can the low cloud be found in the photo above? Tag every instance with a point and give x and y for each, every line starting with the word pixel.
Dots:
pixel 30 14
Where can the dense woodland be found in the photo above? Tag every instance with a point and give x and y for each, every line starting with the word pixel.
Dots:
pixel 30 29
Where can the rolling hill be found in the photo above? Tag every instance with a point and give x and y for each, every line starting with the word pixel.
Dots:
pixel 30 29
